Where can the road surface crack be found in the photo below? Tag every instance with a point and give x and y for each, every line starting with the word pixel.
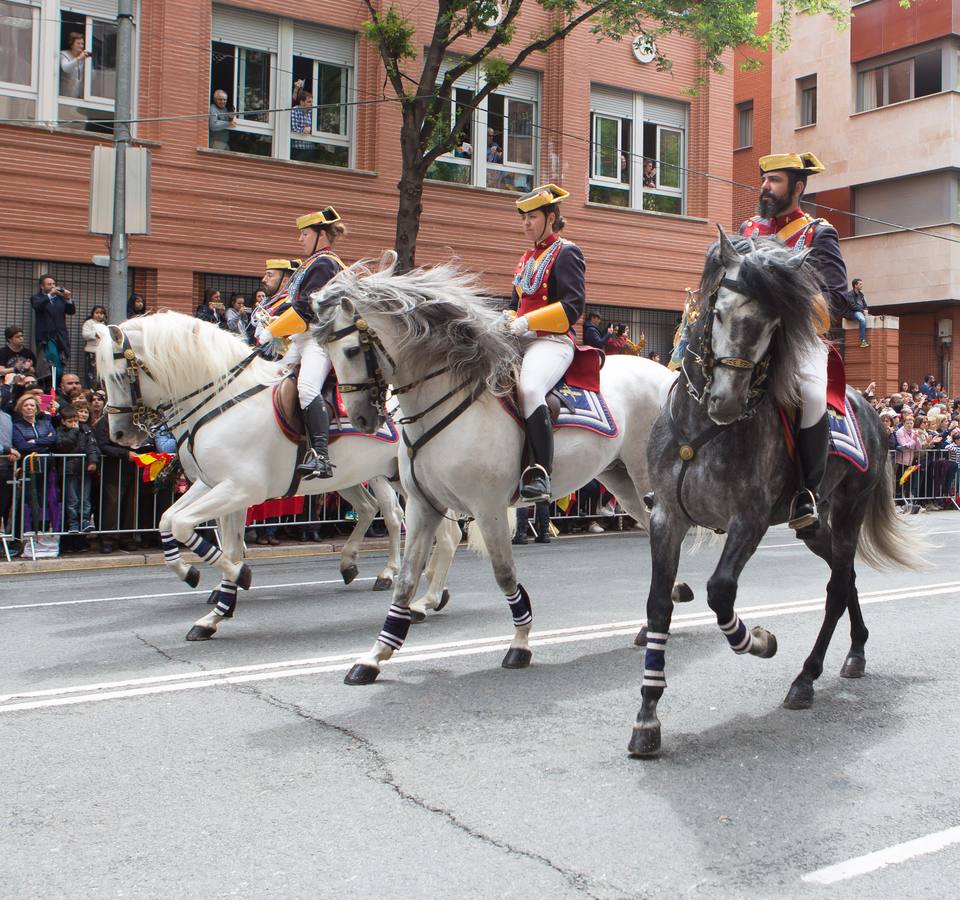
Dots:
pixel 383 775
pixel 164 654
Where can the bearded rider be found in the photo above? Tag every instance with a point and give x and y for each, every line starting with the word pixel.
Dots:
pixel 549 297
pixel 319 231
pixel 276 276
pixel 783 180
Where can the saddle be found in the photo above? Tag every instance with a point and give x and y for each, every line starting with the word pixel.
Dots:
pixel 289 417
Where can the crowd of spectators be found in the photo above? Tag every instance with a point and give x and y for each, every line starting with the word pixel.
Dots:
pixel 923 431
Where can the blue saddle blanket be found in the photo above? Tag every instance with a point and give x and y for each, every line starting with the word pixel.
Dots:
pixel 579 408
pixel 846 441
pixel 387 432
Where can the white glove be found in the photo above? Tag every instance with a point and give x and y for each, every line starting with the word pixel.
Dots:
pixel 519 326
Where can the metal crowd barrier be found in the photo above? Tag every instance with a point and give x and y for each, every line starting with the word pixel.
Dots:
pixel 122 504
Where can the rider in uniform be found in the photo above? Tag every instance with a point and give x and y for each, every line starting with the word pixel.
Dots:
pixel 783 181
pixel 549 297
pixel 276 277
pixel 318 232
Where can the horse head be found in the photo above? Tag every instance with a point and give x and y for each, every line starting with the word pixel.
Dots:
pixel 756 292
pixel 118 353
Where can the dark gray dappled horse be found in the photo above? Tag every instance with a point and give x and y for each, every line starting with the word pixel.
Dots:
pixel 718 459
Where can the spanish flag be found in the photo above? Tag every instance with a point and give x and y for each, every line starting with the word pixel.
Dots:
pixel 152 464
pixel 563 504
pixel 906 474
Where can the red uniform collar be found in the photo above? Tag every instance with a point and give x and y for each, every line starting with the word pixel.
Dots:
pixel 552 238
pixel 781 222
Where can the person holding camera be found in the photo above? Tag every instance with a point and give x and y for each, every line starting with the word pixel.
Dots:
pixel 73 61
pixel 51 306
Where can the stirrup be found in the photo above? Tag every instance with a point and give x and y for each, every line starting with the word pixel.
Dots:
pixel 315 466
pixel 806 516
pixel 538 485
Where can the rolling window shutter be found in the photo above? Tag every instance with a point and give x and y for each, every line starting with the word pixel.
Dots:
pixel 245 29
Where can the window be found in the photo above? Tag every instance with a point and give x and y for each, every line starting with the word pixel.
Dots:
pixel 895 82
pixel 252 83
pixel 745 124
pixel 19 33
pixel 497 145
pixel 637 167
pixel 807 99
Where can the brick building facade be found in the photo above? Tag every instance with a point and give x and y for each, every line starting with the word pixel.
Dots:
pixel 584 113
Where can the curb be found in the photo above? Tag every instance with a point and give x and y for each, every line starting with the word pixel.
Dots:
pixel 137 559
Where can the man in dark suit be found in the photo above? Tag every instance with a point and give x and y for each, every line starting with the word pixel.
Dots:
pixel 51 306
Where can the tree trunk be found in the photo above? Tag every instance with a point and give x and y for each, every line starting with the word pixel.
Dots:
pixel 410 187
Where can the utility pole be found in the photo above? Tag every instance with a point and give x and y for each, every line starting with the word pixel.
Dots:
pixel 121 140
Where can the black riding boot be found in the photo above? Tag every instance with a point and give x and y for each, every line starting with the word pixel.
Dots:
pixel 535 481
pixel 316 464
pixel 813 445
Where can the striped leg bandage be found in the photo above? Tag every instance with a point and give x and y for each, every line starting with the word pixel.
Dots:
pixel 655 660
pixel 227 601
pixel 395 627
pixel 171 549
pixel 738 637
pixel 208 552
pixel 520 607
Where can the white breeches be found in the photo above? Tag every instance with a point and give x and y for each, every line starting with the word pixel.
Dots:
pixel 813 385
pixel 545 361
pixel 315 366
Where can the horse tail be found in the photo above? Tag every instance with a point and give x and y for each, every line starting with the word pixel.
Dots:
pixel 475 541
pixel 886 541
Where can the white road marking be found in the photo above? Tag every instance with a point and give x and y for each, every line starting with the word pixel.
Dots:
pixel 256 587
pixel 116 690
pixel 871 862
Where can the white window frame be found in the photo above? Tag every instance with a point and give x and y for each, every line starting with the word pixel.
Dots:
pixel 597 150
pixel 635 188
pixel 27 91
pixel 478 165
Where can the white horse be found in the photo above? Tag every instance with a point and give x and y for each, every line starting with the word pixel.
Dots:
pixel 216 398
pixel 443 345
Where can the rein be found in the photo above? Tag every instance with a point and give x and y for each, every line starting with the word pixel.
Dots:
pixel 151 419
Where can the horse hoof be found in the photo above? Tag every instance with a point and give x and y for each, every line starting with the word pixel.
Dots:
pixel 244 577
pixel 444 600
pixel 381 584
pixel 854 667
pixel 192 578
pixel 641 639
pixel 361 673
pixel 349 573
pixel 645 741
pixel 517 658
pixel 200 633
pixel 681 593
pixel 416 616
pixel 800 696
pixel 764 643
pixel 214 597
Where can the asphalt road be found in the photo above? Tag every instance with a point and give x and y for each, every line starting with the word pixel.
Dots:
pixel 135 764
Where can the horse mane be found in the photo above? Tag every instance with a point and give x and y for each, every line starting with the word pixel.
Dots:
pixel 440 313
pixel 784 290
pixel 178 350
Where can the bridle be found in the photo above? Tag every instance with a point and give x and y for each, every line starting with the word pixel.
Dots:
pixel 152 419
pixel 707 361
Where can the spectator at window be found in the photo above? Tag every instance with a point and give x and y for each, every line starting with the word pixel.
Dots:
pixel 15 358
pixel 222 119
pixel 592 335
pixel 72 64
pixel 238 315
pixel 51 306
pixel 78 469
pixel 136 306
pixel 494 150
pixel 649 173
pixel 98 315
pixel 211 309
pixel 464 150
pixel 301 122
